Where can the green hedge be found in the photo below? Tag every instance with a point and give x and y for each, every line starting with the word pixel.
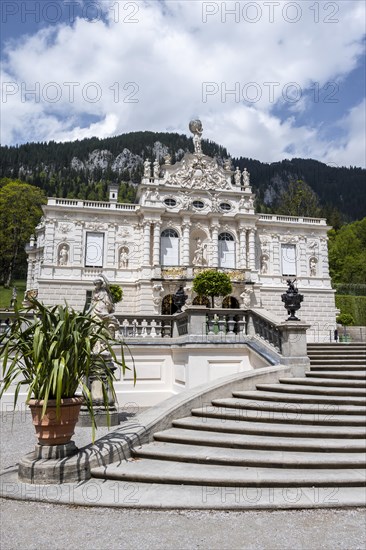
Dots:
pixel 355 306
pixel 346 289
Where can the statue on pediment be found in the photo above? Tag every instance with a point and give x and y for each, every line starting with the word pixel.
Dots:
pixel 147 169
pixel 196 128
pixel 246 178
pixel 237 176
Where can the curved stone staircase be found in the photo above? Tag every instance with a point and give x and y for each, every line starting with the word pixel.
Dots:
pixel 299 433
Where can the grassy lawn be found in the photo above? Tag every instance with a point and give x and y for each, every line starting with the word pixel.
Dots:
pixel 5 293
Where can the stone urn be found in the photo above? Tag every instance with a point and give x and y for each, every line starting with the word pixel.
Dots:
pixel 292 300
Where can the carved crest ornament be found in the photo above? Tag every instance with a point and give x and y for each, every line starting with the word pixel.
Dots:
pixel 197 170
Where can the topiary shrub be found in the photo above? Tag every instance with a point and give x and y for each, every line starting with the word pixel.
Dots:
pixel 116 293
pixel 212 283
pixel 345 319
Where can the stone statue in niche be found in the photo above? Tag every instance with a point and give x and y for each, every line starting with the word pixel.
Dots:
pixel 264 264
pixel 123 258
pixel 312 267
pixel 63 255
pixel 199 253
pixel 147 169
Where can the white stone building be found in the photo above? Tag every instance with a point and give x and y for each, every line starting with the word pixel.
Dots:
pixel 190 216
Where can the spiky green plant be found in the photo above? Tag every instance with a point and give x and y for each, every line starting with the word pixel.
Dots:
pixel 50 349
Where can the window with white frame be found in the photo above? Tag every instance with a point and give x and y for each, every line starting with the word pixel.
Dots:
pixel 169 247
pixel 226 250
pixel 94 249
pixel 288 253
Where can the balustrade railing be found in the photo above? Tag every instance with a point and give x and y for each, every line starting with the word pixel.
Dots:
pixel 262 326
pixel 230 323
pixel 132 326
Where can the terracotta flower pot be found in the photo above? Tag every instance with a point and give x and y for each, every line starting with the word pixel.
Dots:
pixel 51 430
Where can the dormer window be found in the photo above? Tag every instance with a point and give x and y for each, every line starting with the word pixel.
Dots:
pixel 170 202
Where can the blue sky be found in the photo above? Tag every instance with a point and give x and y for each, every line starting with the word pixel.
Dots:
pixel 269 80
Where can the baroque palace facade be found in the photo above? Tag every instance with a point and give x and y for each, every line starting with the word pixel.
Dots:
pixel 190 216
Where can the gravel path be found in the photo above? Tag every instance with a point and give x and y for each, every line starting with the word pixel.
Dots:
pixel 33 525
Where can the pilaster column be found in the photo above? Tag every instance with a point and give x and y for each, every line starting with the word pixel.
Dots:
pixel 146 248
pixel 156 244
pixel 323 270
pixel 186 233
pixel 112 259
pixel 252 248
pixel 50 249
pixel 215 244
pixel 243 248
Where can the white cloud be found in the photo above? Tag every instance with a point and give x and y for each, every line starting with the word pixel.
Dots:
pixel 167 56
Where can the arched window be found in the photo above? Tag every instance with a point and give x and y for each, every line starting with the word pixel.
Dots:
pixel 230 302
pixel 201 301
pixel 167 306
pixel 226 250
pixel 169 249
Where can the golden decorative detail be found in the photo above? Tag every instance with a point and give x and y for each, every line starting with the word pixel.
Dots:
pixel 197 270
pixel 236 275
pixel 173 273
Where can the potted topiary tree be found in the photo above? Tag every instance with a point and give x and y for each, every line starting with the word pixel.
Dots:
pixel 51 351
pixel 346 320
pixel 212 283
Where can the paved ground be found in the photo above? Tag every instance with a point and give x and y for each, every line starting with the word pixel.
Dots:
pixel 34 525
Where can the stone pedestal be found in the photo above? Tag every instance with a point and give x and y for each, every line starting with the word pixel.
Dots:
pixel 49 464
pixel 294 346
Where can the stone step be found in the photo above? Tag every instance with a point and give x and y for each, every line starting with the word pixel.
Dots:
pixel 337 361
pixel 356 375
pixel 316 390
pixel 201 454
pixel 300 398
pixel 273 429
pixel 247 415
pixel 299 408
pixel 163 471
pixel 335 353
pixel 333 345
pixel 341 368
pixel 328 382
pixel 248 441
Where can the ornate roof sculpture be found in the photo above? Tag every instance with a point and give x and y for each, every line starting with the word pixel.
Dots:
pixel 197 171
pixel 197 176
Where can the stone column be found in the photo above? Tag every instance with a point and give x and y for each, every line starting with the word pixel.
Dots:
pixel 186 232
pixel 156 245
pixel 215 244
pixel 252 248
pixel 243 248
pixel 146 248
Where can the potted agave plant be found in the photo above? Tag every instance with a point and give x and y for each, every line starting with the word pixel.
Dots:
pixel 50 351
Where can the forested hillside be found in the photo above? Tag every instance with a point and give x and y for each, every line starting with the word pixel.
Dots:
pixel 83 169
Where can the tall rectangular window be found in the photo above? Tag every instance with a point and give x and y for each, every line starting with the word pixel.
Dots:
pixel 94 246
pixel 288 252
